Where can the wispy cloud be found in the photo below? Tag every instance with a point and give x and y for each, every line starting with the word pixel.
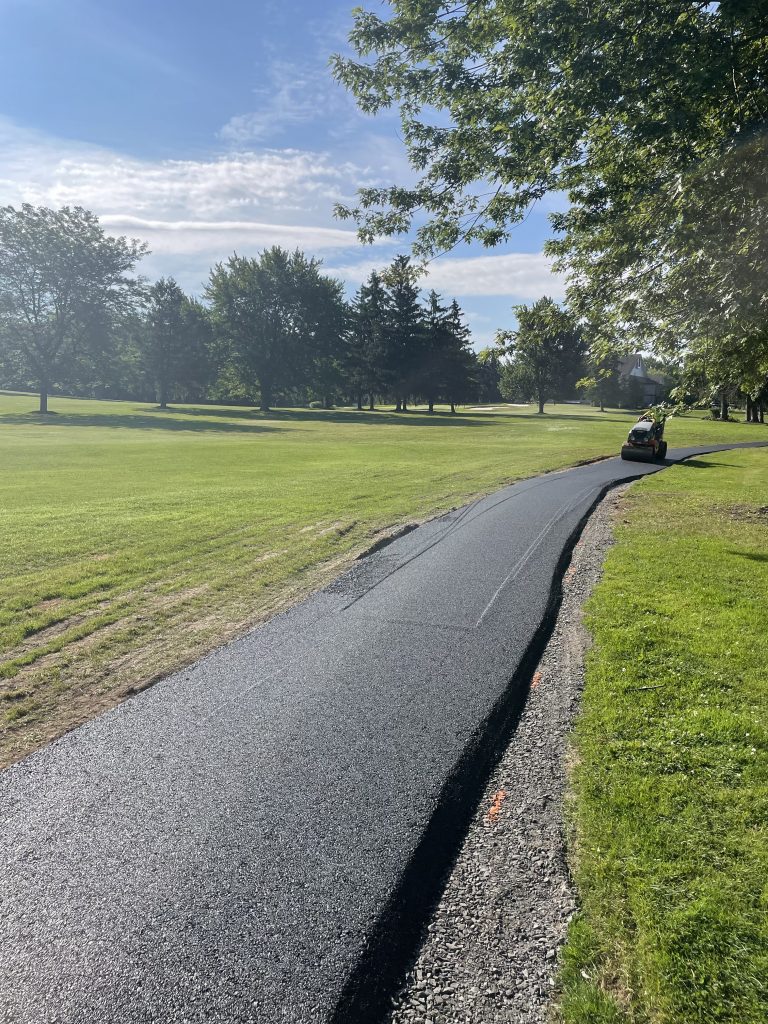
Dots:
pixel 199 236
pixel 39 168
pixel 514 275
pixel 295 94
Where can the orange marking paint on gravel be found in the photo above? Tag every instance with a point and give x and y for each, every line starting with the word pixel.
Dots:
pixel 495 808
pixel 536 680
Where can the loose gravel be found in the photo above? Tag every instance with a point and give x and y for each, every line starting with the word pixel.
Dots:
pixel 490 952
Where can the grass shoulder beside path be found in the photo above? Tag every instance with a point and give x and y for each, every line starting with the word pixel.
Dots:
pixel 670 776
pixel 134 540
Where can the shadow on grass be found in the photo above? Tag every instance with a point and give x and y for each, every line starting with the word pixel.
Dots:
pixel 753 556
pixel 441 417
pixel 141 421
pixel 202 418
pixel 577 417
pixel 701 464
pixel 388 416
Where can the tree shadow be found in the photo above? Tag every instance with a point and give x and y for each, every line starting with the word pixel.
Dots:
pixel 366 417
pixel 160 420
pixel 753 556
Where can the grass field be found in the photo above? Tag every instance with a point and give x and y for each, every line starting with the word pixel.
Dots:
pixel 670 778
pixel 133 540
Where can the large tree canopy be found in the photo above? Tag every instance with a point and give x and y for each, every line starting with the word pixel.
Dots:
pixel 64 285
pixel 277 313
pixel 650 117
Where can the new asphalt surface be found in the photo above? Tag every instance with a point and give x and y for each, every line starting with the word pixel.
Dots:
pixel 256 838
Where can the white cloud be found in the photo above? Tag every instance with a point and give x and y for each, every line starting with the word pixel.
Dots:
pixel 192 213
pixel 41 169
pixel 188 236
pixel 519 275
pixel 516 275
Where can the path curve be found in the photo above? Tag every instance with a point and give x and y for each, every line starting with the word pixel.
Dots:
pixel 255 838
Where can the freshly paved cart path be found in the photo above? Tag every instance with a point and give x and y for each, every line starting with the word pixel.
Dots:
pixel 250 839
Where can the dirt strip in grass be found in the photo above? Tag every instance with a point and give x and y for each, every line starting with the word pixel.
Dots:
pixel 669 809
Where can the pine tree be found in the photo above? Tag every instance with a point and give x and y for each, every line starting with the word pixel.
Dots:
pixel 436 351
pixel 368 354
pixel 405 329
pixel 460 361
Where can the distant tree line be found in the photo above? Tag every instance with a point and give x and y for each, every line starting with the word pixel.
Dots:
pixel 271 329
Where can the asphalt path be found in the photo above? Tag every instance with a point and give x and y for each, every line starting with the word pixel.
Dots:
pixel 256 837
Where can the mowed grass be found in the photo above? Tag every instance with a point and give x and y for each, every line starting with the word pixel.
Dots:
pixel 133 540
pixel 670 780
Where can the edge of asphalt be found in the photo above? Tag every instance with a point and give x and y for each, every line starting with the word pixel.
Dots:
pixel 367 993
pixel 398 932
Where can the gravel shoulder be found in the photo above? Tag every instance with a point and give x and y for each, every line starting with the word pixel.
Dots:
pixel 490 949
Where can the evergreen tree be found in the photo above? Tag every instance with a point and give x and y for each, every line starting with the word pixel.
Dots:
pixel 326 321
pixel 460 362
pixel 405 329
pixel 488 374
pixel 368 366
pixel 436 350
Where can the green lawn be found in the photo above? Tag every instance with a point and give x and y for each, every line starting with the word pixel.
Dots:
pixel 670 777
pixel 132 540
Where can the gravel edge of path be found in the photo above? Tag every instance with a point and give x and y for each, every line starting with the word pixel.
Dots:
pixel 490 948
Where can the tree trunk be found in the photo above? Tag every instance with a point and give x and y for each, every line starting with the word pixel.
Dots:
pixel 405 405
pixel 541 404
pixel 453 408
pixel 43 397
pixel 431 407
pixel 398 406
pixel 761 413
pixel 748 417
pixel 266 396
pixel 371 403
pixel 360 401
pixel 723 406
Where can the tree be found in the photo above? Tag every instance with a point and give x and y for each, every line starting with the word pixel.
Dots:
pixel 517 383
pixel 459 362
pixel 435 351
pixel 651 118
pixel 176 343
pixel 547 347
pixel 163 347
pixel 326 321
pixel 405 329
pixel 489 368
pixel 367 364
pixel 601 383
pixel 197 371
pixel 267 310
pixel 64 286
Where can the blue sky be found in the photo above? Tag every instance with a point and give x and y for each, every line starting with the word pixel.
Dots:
pixel 208 128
